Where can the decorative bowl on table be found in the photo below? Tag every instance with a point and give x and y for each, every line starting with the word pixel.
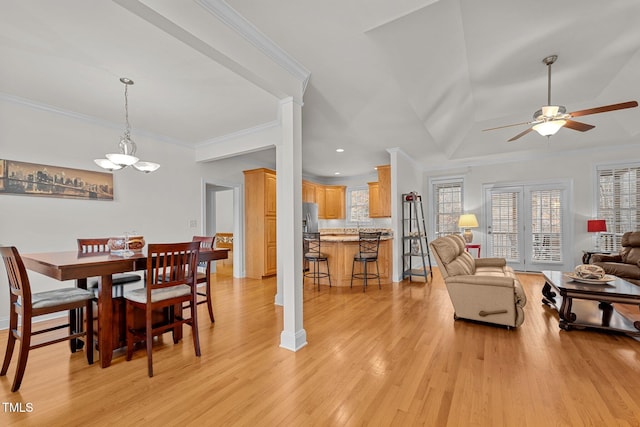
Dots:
pixel 589 271
pixel 136 243
pixel 590 274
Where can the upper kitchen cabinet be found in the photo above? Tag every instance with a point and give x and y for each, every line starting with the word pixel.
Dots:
pixel 331 201
pixel 308 192
pixel 321 201
pixel 374 200
pixel 334 202
pixel 270 193
pixel 260 223
pixel 380 194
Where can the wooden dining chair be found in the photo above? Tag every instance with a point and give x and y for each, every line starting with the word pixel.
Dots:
pixel 26 305
pixel 101 246
pixel 170 283
pixel 206 242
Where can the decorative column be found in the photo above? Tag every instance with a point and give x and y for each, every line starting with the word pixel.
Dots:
pixel 289 224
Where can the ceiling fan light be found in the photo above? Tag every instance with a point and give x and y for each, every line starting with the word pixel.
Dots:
pixel 549 128
pixel 550 110
pixel 122 159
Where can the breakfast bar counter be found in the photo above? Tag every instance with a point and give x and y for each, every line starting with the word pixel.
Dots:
pixel 340 249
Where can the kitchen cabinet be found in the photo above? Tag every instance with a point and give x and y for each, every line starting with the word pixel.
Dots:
pixel 321 201
pixel 334 202
pixel 260 223
pixel 380 194
pixel 384 190
pixel 270 194
pixel 331 201
pixel 374 199
pixel 308 192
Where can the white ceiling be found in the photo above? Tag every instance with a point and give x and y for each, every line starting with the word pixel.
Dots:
pixel 426 76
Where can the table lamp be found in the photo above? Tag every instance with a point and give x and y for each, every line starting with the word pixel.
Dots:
pixel 467 221
pixel 596 226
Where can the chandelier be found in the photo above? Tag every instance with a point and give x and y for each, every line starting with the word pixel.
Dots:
pixel 126 156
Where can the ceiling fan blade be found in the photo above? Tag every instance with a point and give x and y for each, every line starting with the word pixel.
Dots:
pixel 605 108
pixel 521 134
pixel 508 126
pixel 579 126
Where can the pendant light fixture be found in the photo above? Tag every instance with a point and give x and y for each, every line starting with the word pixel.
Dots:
pixel 126 156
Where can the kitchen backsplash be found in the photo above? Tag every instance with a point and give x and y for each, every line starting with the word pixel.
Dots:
pixel 341 225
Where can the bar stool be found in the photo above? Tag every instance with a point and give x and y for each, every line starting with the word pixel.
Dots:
pixel 368 244
pixel 313 255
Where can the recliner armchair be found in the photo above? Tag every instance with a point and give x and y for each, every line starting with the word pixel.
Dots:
pixel 483 289
pixel 625 264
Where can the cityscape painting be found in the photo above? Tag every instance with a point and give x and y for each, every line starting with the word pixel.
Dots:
pixel 34 179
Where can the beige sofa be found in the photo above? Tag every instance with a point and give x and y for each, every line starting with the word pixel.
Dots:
pixel 483 289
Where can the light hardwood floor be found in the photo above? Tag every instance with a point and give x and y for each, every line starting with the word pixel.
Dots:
pixel 385 357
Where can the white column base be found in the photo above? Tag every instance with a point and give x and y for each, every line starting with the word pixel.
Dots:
pixel 279 300
pixel 293 342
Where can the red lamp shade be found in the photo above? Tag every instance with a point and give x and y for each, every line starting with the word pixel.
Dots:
pixel 596 225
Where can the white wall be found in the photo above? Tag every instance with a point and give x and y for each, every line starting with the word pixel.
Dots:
pixel 224 211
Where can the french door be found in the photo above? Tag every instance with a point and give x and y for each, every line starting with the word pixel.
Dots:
pixel 528 226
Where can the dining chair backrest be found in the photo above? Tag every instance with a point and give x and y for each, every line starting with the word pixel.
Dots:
pixel 369 242
pixel 171 264
pixel 206 242
pixel 17 274
pixel 97 245
pixel 101 246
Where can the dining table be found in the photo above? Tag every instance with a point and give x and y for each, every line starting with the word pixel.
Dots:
pixel 78 266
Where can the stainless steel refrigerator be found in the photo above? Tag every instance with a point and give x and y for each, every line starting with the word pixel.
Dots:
pixel 310 217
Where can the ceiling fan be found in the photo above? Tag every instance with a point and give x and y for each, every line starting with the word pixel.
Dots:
pixel 549 119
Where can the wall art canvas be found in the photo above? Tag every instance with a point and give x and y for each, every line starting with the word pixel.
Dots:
pixel 34 179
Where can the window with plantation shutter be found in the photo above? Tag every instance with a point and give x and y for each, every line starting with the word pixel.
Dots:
pixel 447 205
pixel 546 225
pixel 505 234
pixel 618 202
pixel 527 225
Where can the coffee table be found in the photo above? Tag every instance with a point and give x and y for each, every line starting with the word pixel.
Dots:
pixel 583 305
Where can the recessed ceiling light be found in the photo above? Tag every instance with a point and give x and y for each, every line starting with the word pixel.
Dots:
pixel 336 173
pixel 340 150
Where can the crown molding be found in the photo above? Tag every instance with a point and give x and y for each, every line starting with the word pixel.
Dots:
pixel 230 17
pixel 243 132
pixel 87 118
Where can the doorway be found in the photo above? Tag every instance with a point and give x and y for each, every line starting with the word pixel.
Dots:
pixel 221 216
pixel 528 225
